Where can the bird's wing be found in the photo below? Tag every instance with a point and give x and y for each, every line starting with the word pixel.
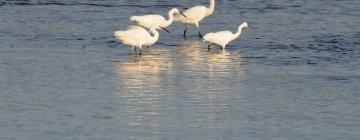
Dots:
pixel 219 37
pixel 133 32
pixel 129 32
pixel 149 19
pixel 196 12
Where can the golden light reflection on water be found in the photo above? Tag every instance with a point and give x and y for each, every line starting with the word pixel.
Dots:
pixel 190 57
pixel 216 62
pixel 138 72
pixel 148 84
pixel 140 81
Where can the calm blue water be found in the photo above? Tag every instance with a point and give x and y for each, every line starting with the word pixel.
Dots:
pixel 294 76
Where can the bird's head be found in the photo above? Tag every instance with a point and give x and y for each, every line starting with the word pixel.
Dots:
pixel 176 11
pixel 133 18
pixel 244 25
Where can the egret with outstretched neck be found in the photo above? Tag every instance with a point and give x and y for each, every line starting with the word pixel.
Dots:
pixel 158 21
pixel 137 37
pixel 222 38
pixel 195 15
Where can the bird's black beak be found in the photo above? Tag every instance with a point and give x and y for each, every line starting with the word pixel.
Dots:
pixel 165 29
pixel 182 14
pixel 250 27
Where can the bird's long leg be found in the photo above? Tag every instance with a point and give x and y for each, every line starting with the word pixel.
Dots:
pixel 135 49
pixel 197 26
pixel 200 35
pixel 140 48
pixel 187 26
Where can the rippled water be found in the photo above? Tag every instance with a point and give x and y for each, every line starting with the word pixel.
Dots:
pixel 295 75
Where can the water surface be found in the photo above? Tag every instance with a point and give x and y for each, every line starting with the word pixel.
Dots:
pixel 295 75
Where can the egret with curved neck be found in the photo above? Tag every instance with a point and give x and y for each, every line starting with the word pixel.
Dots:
pixel 195 15
pixel 222 38
pixel 158 21
pixel 153 38
pixel 137 37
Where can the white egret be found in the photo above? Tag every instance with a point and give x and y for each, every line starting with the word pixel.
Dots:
pixel 158 21
pixel 194 15
pixel 136 37
pixel 222 38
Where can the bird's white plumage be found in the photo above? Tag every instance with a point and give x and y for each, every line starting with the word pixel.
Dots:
pixel 148 21
pixel 193 15
pixel 154 20
pixel 222 38
pixel 136 36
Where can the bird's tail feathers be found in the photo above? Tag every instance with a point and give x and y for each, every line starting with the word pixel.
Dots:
pixel 133 18
pixel 206 37
pixel 119 34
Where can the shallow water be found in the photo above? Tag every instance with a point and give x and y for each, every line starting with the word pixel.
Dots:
pixel 295 75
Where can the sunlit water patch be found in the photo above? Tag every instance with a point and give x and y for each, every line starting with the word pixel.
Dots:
pixel 294 75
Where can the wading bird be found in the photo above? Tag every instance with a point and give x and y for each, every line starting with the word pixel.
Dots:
pixel 137 37
pixel 194 15
pixel 158 21
pixel 222 38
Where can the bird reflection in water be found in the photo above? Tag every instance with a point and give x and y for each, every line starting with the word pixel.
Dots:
pixel 160 86
pixel 141 88
pixel 197 59
pixel 144 72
